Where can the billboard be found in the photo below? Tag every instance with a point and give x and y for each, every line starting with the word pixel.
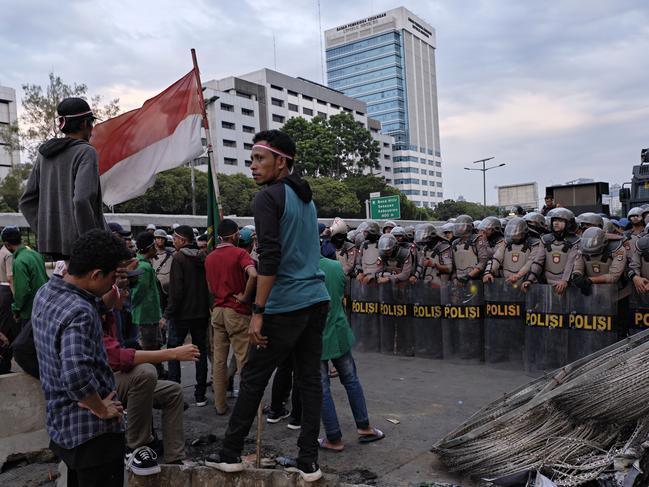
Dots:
pixel 523 194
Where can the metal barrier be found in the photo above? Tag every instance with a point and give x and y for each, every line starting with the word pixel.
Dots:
pixel 638 312
pixel 462 325
pixel 395 319
pixel 504 319
pixel 365 306
pixel 427 313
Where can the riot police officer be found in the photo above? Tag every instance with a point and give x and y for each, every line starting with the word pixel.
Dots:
pixel 555 263
pixel 469 260
pixel 399 233
pixel 410 234
pixel 447 231
pixel 368 262
pixel 600 260
pixel 345 250
pixel 535 224
pixel 589 220
pixel 388 226
pixel 397 259
pixel 513 260
pixel 434 259
pixel 635 216
pixel 639 264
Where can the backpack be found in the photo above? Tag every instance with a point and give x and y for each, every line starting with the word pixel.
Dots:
pixel 25 350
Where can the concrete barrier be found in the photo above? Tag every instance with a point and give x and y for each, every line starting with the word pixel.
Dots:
pixel 22 429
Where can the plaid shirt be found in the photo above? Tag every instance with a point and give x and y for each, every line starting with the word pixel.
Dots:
pixel 72 361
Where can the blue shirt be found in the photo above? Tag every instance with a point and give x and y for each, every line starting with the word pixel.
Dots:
pixel 72 361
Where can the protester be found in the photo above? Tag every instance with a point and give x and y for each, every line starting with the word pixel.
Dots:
pixel 338 339
pixel 161 263
pixel 8 327
pixel 29 274
pixel 83 417
pixel 549 205
pixel 188 306
pixel 231 279
pixel 140 391
pixel 290 306
pixel 145 300
pixel 201 242
pixel 62 197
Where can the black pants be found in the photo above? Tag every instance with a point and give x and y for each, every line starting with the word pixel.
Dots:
pixel 96 463
pixel 298 333
pixel 284 384
pixel 198 330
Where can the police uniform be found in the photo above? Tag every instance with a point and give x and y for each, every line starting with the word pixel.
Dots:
pixel 439 253
pixel 556 260
pixel 400 266
pixel 346 255
pixel 512 258
pixel 367 260
pixel 465 256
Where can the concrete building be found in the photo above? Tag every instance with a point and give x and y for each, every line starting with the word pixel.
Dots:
pixel 8 116
pixel 265 99
pixel 388 61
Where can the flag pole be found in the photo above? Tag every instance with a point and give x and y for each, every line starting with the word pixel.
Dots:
pixel 208 136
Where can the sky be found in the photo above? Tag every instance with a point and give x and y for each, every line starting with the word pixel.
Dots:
pixel 556 90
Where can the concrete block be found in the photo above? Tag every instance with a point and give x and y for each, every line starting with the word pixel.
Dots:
pixel 176 475
pixel 22 429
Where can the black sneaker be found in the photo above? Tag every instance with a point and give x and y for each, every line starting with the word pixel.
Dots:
pixel 275 417
pixel 224 463
pixel 201 401
pixel 294 424
pixel 142 461
pixel 310 472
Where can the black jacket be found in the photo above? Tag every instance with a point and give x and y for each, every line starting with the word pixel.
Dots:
pixel 188 294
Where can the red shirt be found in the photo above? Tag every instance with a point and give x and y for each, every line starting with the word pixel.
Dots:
pixel 225 271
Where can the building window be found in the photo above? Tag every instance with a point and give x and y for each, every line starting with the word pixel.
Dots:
pixel 277 102
pixel 278 118
pixel 247 112
pixel 226 107
pixel 248 163
pixel 247 146
pixel 386 144
pixel 424 193
pixel 389 181
pixel 230 161
pixel 431 173
pixel 334 106
pixel 244 95
pixel 439 195
pixel 322 102
pixel 438 174
pixel 386 156
pixel 292 93
pixel 307 97
pixel 438 164
pixel 424 182
pixel 348 110
pixel 387 169
pixel 247 129
pixel 307 111
pixel 229 143
pixel 439 185
pixel 227 125
pixel 360 114
pixel 293 107
pixel 322 115
pixel 278 88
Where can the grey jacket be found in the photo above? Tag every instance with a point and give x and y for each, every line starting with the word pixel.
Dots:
pixel 62 199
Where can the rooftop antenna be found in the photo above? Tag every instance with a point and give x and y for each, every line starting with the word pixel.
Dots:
pixel 274 51
pixel 321 47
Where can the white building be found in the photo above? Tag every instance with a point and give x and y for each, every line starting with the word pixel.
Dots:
pixel 388 61
pixel 8 116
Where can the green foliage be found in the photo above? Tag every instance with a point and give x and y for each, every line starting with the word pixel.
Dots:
pixel 451 208
pixel 333 147
pixel 333 197
pixel 38 122
pixel 237 192
pixel 10 137
pixel 13 186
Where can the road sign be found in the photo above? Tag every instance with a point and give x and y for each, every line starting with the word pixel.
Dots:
pixel 377 194
pixel 385 208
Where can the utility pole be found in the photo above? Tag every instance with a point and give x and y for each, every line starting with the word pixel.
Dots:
pixel 484 170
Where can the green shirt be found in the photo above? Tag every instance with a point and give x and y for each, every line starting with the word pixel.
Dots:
pixel 337 337
pixel 145 300
pixel 29 275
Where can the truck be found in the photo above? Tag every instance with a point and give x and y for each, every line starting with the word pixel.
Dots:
pixel 636 192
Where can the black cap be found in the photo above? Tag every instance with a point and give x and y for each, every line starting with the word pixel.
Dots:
pixel 74 107
pixel 227 228
pixel 186 232
pixel 144 241
pixel 117 228
pixel 11 235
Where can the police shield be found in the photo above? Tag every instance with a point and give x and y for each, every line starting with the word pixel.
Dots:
pixel 504 327
pixel 365 316
pixel 592 320
pixel 395 323
pixel 462 325
pixel 638 312
pixel 427 320
pixel 546 330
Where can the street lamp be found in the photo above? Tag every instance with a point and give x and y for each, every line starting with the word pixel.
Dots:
pixel 484 169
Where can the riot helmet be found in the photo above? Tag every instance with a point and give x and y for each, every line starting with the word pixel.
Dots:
pixel 589 219
pixel 359 238
pixel 388 226
pixel 387 244
pixel 399 233
pixel 361 227
pixel 351 235
pixel 425 233
pixel 564 215
pixel 593 241
pixel 503 222
pixel 516 230
pixel 609 226
pixel 372 231
pixel 463 226
pixel 642 245
pixel 476 223
pixel 636 211
pixel 490 225
pixel 410 233
pixel 535 219
pixel 447 229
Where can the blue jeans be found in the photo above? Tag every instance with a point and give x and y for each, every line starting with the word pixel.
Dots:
pixel 346 368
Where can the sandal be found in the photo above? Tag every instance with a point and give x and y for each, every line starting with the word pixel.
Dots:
pixel 376 435
pixel 322 443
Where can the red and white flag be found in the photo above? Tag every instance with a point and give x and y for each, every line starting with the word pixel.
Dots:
pixel 135 146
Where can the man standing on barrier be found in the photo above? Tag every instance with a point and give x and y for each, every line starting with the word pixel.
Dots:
pixel 397 258
pixel 599 261
pixel 434 259
pixel 345 250
pixel 560 247
pixel 368 262
pixel 469 259
pixel 290 306
pixel 513 260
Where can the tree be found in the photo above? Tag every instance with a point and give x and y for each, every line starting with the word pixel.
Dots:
pixel 451 209
pixel 38 122
pixel 237 192
pixel 333 198
pixel 13 186
pixel 333 148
